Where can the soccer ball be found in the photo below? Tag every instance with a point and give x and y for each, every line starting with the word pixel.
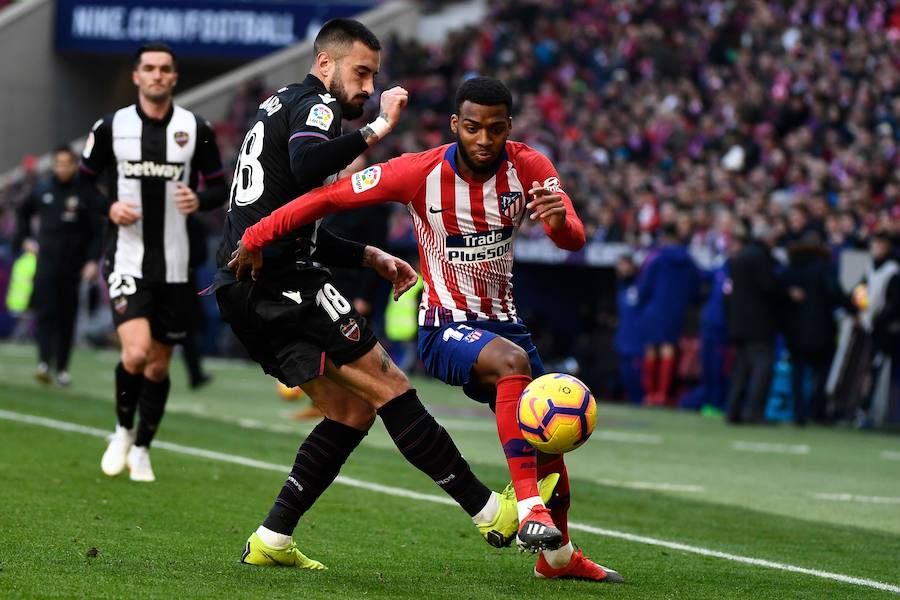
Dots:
pixel 557 413
pixel 288 394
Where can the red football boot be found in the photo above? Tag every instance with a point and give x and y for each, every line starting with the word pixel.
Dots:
pixel 537 531
pixel 579 567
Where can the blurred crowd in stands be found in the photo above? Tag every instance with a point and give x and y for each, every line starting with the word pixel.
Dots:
pixel 735 149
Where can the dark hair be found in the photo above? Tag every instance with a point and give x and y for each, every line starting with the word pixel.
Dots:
pixel 485 91
pixel 154 47
pixel 344 32
pixel 65 148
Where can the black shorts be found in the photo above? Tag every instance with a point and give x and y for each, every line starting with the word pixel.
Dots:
pixel 165 305
pixel 291 323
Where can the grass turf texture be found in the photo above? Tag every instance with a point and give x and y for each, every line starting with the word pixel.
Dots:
pixel 69 531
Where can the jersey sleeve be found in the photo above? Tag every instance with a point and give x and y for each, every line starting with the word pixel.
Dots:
pixel 98 148
pixel 539 168
pixel 394 180
pixel 207 160
pixel 315 144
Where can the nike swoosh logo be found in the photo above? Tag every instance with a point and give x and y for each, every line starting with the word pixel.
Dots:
pixel 434 212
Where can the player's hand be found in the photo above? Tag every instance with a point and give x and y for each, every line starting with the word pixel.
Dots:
pixel 546 206
pixel 123 214
pixel 396 270
pixel 185 199
pixel 243 260
pixel 392 103
pixel 89 270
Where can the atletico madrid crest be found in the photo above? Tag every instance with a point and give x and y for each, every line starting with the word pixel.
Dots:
pixel 510 203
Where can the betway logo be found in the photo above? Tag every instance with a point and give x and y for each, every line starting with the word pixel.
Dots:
pixel 148 169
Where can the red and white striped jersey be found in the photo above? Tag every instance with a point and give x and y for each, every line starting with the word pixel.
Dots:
pixel 465 229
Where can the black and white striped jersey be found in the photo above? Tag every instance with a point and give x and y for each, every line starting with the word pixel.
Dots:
pixel 145 158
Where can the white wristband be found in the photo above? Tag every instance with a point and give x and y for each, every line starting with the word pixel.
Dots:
pixel 379 127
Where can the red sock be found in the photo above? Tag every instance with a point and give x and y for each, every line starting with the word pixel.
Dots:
pixel 521 457
pixel 666 371
pixel 648 378
pixel 560 501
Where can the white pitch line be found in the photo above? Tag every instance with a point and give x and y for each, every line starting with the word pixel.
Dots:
pixel 772 448
pixel 626 437
pixel 649 485
pixel 404 493
pixel 890 455
pixel 858 499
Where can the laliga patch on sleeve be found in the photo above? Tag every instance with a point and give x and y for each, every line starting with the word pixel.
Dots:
pixel 366 179
pixel 552 184
pixel 320 116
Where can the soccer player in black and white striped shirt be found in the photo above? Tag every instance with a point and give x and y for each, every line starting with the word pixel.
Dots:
pixel 154 154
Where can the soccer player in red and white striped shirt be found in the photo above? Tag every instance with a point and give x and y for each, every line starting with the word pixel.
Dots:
pixel 467 200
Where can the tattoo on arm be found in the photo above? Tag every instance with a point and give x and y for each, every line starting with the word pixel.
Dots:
pixel 367 132
pixel 368 135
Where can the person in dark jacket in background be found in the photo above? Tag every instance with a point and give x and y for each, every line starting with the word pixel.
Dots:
pixel 669 282
pixel 809 327
pixel 628 343
pixel 751 311
pixel 68 245
pixel 714 339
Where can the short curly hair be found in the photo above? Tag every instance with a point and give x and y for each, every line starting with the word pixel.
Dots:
pixel 486 91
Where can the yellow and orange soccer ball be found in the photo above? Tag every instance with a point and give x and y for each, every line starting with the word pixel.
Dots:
pixel 557 413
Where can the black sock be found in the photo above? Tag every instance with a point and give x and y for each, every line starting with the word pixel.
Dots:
pixel 318 461
pixel 425 444
pixel 128 390
pixel 153 403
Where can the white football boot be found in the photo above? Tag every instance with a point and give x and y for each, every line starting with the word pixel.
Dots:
pixel 139 467
pixel 114 458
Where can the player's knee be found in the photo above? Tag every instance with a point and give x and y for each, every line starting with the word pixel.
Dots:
pixel 359 417
pixel 156 370
pixel 514 361
pixel 134 357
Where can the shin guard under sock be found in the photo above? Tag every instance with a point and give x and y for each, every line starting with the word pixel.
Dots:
pixel 318 462
pixel 152 404
pixel 128 390
pixel 425 444
pixel 521 457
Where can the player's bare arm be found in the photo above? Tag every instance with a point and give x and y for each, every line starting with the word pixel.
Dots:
pixel 392 103
pixel 547 206
pixel 397 271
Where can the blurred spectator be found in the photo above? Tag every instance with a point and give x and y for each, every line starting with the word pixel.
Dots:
pixel 68 247
pixel 751 309
pixel 628 343
pixel 880 316
pixel 809 325
pixel 668 284
pixel 710 395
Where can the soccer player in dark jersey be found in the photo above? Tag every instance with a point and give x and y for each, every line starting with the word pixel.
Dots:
pixel 68 245
pixel 154 154
pixel 468 200
pixel 299 327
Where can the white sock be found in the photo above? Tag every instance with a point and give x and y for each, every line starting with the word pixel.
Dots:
pixel 561 556
pixel 489 511
pixel 524 506
pixel 278 541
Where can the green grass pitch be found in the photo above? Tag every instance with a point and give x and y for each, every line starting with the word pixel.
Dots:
pixel 823 500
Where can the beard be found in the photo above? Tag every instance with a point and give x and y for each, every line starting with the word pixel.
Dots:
pixel 476 168
pixel 349 111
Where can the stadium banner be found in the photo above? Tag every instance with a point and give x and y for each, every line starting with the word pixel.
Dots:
pixel 194 28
